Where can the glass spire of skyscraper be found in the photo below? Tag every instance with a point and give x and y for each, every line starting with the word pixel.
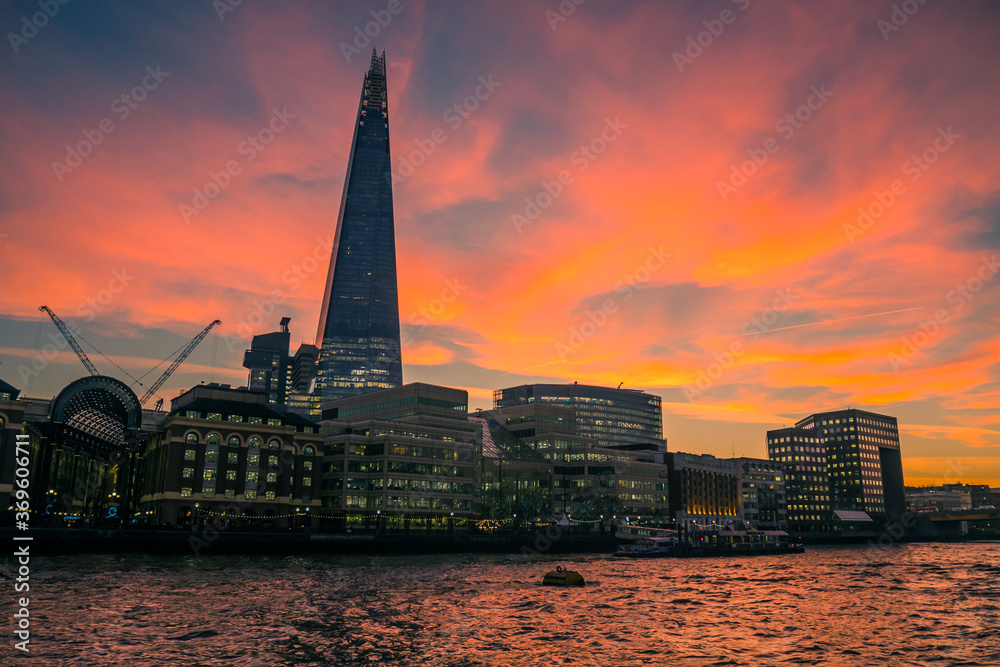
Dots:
pixel 359 324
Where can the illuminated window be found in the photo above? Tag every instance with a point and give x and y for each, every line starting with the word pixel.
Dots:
pixel 191 438
pixel 233 458
pixel 307 481
pixel 269 495
pixel 231 475
pixel 307 465
pixel 234 441
pixel 189 455
pixel 230 493
pixel 186 492
pixel 187 472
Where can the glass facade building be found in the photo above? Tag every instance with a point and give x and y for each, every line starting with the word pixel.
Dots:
pixel 613 417
pixel 359 322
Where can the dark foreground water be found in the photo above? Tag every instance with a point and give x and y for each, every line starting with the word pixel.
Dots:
pixel 927 604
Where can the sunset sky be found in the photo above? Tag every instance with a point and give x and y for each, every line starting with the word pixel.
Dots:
pixel 628 193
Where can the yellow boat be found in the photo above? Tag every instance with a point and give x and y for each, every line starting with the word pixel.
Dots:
pixel 563 577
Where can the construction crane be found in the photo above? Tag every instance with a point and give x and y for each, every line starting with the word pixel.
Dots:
pixel 188 349
pixel 68 335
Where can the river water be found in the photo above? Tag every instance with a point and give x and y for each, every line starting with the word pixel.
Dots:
pixel 921 604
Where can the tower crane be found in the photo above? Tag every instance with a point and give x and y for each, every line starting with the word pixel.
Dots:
pixel 68 335
pixel 188 349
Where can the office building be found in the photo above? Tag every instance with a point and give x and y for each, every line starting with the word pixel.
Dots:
pixel 400 458
pixel 358 331
pixel 614 417
pixel 802 454
pixel 269 365
pixel 763 500
pixel 704 490
pixel 589 481
pixel 866 471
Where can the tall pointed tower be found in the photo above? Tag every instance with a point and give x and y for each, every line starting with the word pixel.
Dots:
pixel 359 325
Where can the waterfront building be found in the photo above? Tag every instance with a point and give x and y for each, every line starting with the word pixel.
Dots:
pixel 358 332
pixel 704 490
pixel 84 448
pixel 865 468
pixel 614 417
pixel 763 501
pixel 228 452
pixel 802 454
pixel 400 458
pixel 514 485
pixel 589 481
pixel 929 499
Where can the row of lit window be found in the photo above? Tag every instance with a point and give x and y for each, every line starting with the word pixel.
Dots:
pixel 229 494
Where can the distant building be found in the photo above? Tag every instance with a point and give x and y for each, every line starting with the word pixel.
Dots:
pixel 613 417
pixel 304 368
pixel 931 499
pixel 8 392
pixel 358 331
pixel 703 489
pixel 802 454
pixel 269 365
pixel 227 452
pixel 763 500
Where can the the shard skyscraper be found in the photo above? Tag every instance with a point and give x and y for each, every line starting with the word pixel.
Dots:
pixel 359 325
